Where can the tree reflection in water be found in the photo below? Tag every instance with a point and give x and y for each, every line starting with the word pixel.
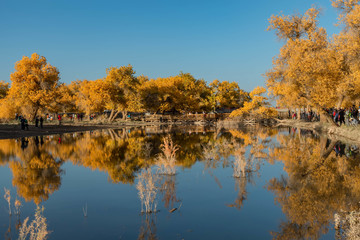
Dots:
pixel 244 167
pixel 36 172
pixel 168 190
pixel 321 182
pixel 148 227
pixel 321 185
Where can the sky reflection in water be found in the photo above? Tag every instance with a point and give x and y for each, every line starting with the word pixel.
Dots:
pixel 258 183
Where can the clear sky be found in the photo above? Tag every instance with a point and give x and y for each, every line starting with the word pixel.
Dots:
pixel 225 40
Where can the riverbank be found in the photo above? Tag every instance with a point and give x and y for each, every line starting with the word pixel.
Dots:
pixel 14 131
pixel 350 134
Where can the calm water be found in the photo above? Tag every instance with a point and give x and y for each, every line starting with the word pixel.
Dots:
pixel 257 183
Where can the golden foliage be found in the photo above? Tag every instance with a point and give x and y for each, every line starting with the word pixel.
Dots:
pixel 311 68
pixel 319 184
pixel 228 95
pixel 34 86
pixel 257 107
pixel 37 174
pixel 181 93
pixel 90 95
pixel 35 89
pixel 123 89
pixel 4 88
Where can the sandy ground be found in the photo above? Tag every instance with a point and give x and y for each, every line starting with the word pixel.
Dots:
pixel 14 131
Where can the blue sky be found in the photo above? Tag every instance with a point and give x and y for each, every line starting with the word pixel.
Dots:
pixel 225 40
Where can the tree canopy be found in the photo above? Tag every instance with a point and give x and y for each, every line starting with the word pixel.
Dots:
pixel 313 69
pixel 35 89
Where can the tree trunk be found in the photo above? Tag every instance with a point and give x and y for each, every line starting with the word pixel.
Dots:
pixel 111 132
pixel 111 114
pixel 114 117
pixel 325 151
pixel 324 117
pixel 35 113
pixel 340 101
pixel 124 115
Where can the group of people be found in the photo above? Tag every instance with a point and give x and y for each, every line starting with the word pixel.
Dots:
pixel 70 116
pixel 308 116
pixel 25 124
pixel 39 121
pixel 347 116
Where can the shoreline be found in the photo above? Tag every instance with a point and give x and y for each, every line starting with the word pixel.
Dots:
pixel 13 130
pixel 349 134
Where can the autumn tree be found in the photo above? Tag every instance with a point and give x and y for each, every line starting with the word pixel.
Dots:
pixel 151 96
pixel 6 109
pixel 193 92
pixel 122 87
pixel 4 88
pixel 90 95
pixel 311 69
pixel 257 107
pixel 347 46
pixel 182 93
pixel 227 95
pixel 34 85
pixel 66 102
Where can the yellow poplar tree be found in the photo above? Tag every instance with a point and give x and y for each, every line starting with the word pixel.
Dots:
pixel 228 94
pixel 4 88
pixel 182 93
pixel 122 87
pixel 312 70
pixel 5 110
pixel 34 85
pixel 347 45
pixel 90 95
pixel 67 99
pixel 257 107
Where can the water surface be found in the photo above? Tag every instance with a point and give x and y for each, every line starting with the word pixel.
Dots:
pixel 254 183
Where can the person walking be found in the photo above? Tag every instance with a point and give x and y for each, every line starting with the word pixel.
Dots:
pixel 37 122
pixel 26 124
pixel 342 116
pixel 22 123
pixel 41 122
pixel 336 116
pixel 59 119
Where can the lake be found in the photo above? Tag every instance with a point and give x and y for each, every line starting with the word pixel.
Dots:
pixel 181 183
